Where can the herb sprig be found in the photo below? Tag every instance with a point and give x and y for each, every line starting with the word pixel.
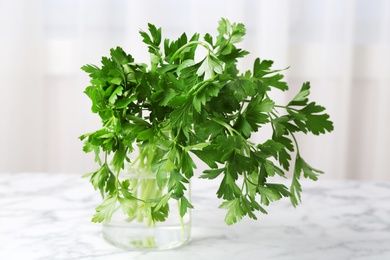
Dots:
pixel 179 107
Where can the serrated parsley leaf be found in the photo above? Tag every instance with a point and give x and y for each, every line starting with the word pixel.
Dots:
pixel 301 98
pixel 262 68
pixel 284 156
pixel 256 112
pixel 310 172
pixel 275 81
pixel 209 66
pixel 234 213
pixel 316 123
pixel 295 187
pixel 120 57
pixel 242 87
pixel 211 174
pixel 127 206
pixel 184 206
pixel 105 210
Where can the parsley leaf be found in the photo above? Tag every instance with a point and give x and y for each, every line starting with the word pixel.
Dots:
pixel 105 210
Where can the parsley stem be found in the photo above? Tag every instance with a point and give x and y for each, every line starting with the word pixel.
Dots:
pixel 296 143
pixel 254 184
pixel 227 126
pixel 180 217
pixel 198 87
pixel 245 184
pixel 286 107
pixel 207 46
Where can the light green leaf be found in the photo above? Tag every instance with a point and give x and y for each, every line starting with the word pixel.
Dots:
pixel 209 67
pixel 295 187
pixel 301 97
pixel 128 206
pixel 105 210
pixel 117 92
pixel 163 201
pixel 234 213
pixel 184 206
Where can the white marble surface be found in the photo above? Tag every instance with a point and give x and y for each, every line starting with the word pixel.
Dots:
pixel 47 216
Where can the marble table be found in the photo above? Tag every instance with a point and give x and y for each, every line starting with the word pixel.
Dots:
pixel 47 216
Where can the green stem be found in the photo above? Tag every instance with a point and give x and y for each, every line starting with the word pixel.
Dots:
pixel 222 48
pixel 296 143
pixel 198 87
pixel 286 107
pixel 244 184
pixel 180 217
pixel 226 125
pixel 187 45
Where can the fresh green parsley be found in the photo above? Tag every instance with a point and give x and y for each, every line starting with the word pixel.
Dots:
pixel 178 107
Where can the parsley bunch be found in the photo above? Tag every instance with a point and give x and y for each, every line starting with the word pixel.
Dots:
pixel 180 107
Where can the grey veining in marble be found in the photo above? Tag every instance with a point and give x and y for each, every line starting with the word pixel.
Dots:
pixel 47 216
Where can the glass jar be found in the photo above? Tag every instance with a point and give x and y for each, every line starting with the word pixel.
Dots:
pixel 140 232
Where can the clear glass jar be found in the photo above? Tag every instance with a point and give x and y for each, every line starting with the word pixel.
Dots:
pixel 140 232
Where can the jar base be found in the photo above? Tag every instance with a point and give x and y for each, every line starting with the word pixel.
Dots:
pixel 146 238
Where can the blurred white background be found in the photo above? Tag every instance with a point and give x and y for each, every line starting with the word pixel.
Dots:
pixel 341 47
